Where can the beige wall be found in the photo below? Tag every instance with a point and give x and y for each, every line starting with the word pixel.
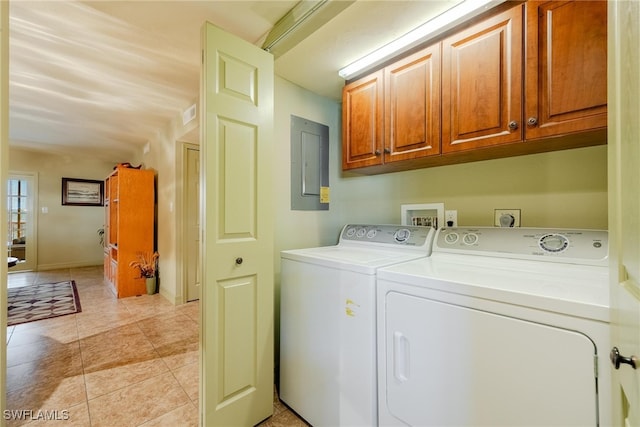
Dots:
pixel 164 155
pixel 66 235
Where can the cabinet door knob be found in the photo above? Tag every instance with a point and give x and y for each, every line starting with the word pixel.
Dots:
pixel 377 152
pixel 513 125
pixel 239 260
pixel 532 121
pixel 387 150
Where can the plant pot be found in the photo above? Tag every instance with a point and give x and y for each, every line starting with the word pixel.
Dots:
pixel 151 285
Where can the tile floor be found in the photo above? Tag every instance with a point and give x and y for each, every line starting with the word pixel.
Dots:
pixel 127 362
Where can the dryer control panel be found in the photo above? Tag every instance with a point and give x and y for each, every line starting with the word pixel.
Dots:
pixel 388 234
pixel 562 245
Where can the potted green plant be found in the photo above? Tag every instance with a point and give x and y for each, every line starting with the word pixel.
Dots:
pixel 147 265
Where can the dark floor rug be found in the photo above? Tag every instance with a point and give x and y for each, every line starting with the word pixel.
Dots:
pixel 42 301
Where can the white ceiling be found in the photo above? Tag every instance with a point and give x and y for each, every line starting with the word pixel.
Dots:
pixel 104 77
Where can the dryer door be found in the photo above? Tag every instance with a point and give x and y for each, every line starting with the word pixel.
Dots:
pixel 450 365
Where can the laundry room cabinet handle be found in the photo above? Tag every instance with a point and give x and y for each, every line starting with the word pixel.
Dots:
pixel 617 359
pixel 239 260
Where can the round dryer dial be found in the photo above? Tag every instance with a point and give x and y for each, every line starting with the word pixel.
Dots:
pixel 553 243
pixel 470 239
pixel 451 238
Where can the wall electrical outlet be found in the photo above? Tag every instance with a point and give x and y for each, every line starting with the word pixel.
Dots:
pixel 506 218
pixel 451 218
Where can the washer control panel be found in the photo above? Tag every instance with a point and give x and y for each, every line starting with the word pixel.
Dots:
pixel 388 234
pixel 563 245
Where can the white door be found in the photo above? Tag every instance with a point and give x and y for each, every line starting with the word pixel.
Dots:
pixel 624 202
pixel 237 222
pixel 192 216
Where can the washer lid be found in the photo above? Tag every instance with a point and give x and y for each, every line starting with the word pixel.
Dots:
pixel 365 260
pixel 577 290
pixel 365 248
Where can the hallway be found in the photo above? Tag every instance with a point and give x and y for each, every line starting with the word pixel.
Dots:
pixel 127 362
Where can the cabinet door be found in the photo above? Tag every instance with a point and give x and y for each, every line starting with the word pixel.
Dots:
pixel 362 126
pixel 566 75
pixel 482 84
pixel 412 106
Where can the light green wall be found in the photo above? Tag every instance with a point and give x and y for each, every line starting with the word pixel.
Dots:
pixel 559 189
pixel 67 235
pixel 296 229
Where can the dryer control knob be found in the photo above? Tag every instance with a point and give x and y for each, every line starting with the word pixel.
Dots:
pixel 451 238
pixel 470 239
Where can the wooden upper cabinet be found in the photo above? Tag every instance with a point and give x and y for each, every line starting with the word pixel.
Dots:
pixel 532 72
pixel 482 84
pixel 412 106
pixel 566 74
pixel 362 122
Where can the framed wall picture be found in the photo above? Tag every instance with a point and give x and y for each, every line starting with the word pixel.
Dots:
pixel 82 192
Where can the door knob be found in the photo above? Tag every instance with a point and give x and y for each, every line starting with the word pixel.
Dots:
pixel 617 359
pixel 239 260
pixel 532 121
pixel 513 125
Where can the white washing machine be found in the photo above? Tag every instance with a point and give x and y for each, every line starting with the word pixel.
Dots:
pixel 498 327
pixel 328 321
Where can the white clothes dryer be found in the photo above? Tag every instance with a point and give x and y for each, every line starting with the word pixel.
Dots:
pixel 328 321
pixel 498 327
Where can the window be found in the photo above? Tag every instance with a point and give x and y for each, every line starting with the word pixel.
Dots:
pixel 18 192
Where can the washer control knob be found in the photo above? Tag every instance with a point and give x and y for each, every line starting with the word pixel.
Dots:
pixel 402 235
pixel 351 231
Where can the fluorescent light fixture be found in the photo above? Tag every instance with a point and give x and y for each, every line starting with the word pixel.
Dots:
pixel 441 23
